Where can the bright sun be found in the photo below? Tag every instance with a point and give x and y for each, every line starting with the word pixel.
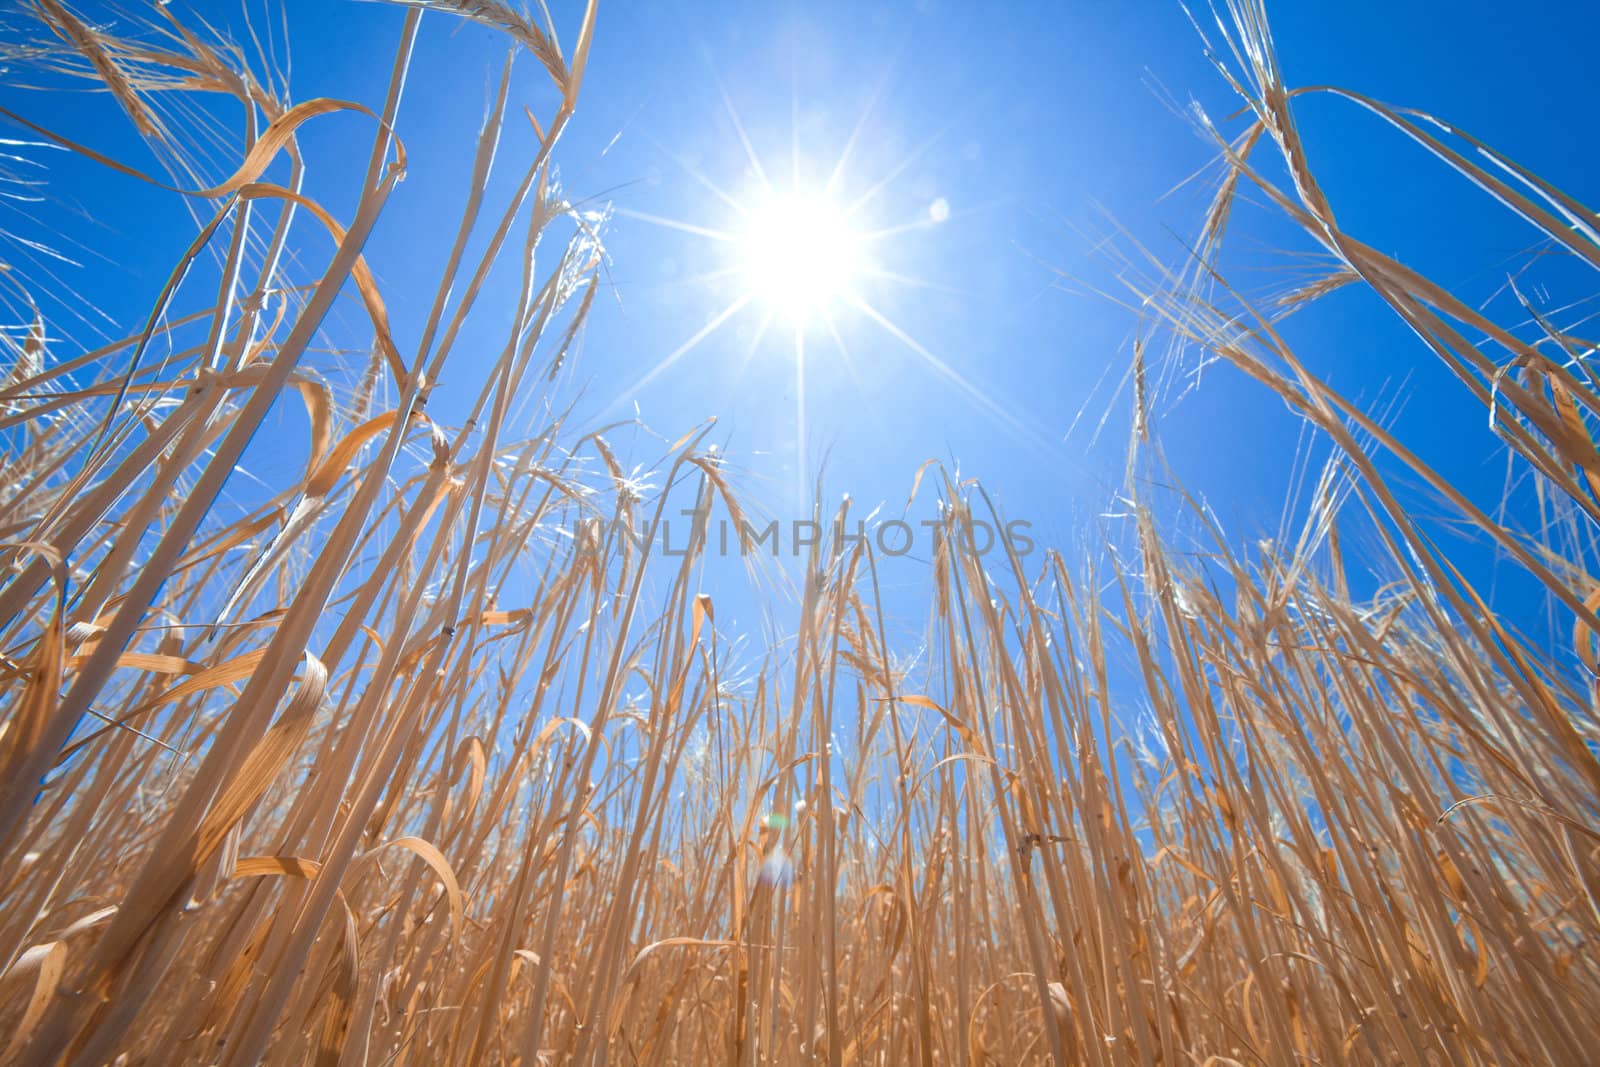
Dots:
pixel 798 254
pixel 796 257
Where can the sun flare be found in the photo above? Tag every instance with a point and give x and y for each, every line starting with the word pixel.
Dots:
pixel 798 254
pixel 807 262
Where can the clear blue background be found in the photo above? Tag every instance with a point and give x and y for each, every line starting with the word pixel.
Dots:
pixel 1046 127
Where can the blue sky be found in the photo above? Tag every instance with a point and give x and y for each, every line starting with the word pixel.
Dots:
pixel 1044 128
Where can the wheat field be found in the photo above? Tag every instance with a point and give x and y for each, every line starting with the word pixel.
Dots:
pixel 366 764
